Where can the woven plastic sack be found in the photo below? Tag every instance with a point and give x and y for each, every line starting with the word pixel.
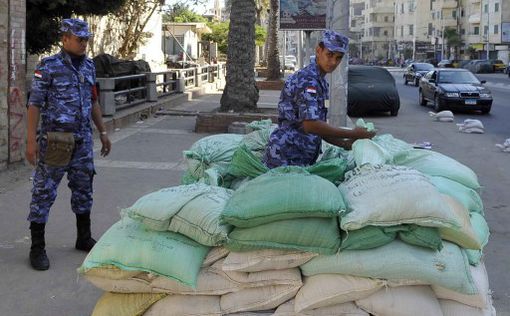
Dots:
pixel 448 268
pixel 465 195
pixel 156 209
pixel 330 151
pixel 265 259
pixel 393 146
pixel 436 164
pixel 366 151
pixel 188 305
pixel 210 151
pixel 261 125
pixel 465 236
pixel 453 308
pixel 215 254
pixel 115 304
pixel 367 237
pixel 129 246
pixel 199 219
pixel 257 141
pixel 282 193
pixel 319 235
pixel 386 195
pixel 344 309
pixel 427 237
pixel 482 231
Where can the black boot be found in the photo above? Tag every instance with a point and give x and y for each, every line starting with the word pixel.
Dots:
pixel 38 258
pixel 84 241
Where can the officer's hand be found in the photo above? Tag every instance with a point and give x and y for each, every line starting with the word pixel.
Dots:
pixel 361 133
pixel 107 145
pixel 31 153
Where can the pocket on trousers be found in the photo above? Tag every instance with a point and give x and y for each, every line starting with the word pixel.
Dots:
pixel 59 149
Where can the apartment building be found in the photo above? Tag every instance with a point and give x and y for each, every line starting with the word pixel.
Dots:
pixel 378 39
pixel 357 27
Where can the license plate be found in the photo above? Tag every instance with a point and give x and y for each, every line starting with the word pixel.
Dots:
pixel 470 102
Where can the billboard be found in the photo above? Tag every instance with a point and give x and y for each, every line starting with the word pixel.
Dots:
pixel 505 32
pixel 303 14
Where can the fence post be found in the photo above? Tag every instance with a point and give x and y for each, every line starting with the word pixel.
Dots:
pixel 198 76
pixel 107 95
pixel 181 82
pixel 152 92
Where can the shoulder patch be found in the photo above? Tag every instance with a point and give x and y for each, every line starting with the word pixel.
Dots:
pixel 38 74
pixel 311 89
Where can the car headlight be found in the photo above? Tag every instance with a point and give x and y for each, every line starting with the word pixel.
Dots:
pixel 485 95
pixel 452 94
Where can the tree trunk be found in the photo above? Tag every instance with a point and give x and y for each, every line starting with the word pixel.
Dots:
pixel 241 92
pixel 273 56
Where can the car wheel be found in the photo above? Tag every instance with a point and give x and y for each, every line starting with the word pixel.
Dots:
pixel 437 104
pixel 423 102
pixel 416 82
pixel 405 81
pixel 486 110
pixel 394 112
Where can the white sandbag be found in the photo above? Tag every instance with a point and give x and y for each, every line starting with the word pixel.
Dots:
pixel 186 305
pixel 453 308
pixel 464 236
pixel 443 116
pixel 344 309
pixel 257 299
pixel 402 301
pixel 323 290
pixel 472 130
pixel 505 147
pixel 214 255
pixel 468 197
pixel 387 195
pixel 479 300
pixel 266 259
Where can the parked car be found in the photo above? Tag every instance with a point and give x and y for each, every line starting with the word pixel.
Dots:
pixel 445 63
pixel 454 89
pixel 478 66
pixel 415 71
pixel 371 89
pixel 407 62
pixel 497 65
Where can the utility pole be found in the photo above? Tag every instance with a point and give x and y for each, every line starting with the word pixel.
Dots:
pixel 488 28
pixel 337 19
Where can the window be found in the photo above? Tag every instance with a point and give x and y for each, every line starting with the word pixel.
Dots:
pixel 431 29
pixel 353 23
pixel 496 7
pixel 433 15
pixel 486 30
pixel 402 8
pixel 385 33
pixel 462 12
pixel 463 32
pixel 486 8
pixel 496 29
pixel 401 30
pixel 454 14
pixel 411 29
pixel 476 30
pixel 386 19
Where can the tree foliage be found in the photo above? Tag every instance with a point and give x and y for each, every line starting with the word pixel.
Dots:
pixel 220 35
pixel 44 18
pixel 181 13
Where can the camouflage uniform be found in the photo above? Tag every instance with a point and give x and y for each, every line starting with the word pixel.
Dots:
pixel 302 99
pixel 64 95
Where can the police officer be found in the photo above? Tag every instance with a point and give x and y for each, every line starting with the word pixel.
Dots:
pixel 302 110
pixel 64 95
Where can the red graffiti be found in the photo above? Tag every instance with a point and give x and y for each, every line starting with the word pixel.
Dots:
pixel 16 128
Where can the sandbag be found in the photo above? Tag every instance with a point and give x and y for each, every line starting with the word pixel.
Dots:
pixel 114 304
pixel 427 237
pixel 448 268
pixel 367 151
pixel 129 246
pixel 156 209
pixel 465 236
pixel 186 305
pixel 367 237
pixel 265 259
pixel 466 196
pixel 452 308
pixel 199 219
pixel 386 195
pixel 257 140
pixel 330 151
pixel 257 299
pixel 391 145
pixel 288 193
pixel 344 309
pixel 402 301
pixel 214 255
pixel 318 235
pixel 323 290
pixel 436 164
pixel 482 232
pixel 140 283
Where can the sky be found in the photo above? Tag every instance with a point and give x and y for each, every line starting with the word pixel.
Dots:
pixel 200 9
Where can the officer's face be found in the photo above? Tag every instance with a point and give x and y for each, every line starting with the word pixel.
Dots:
pixel 328 60
pixel 74 44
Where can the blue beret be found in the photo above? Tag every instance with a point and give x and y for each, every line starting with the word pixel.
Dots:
pixel 335 41
pixel 77 27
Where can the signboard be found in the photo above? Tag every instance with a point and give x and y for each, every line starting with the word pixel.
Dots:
pixel 303 14
pixel 505 32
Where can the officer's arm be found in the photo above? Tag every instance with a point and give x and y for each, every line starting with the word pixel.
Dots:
pixel 327 131
pixel 97 117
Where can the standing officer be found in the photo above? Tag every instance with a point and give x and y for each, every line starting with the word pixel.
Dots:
pixel 64 95
pixel 302 111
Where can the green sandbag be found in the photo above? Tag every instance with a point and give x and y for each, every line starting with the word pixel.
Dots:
pixel 330 151
pixel 397 260
pixel 332 169
pixel 262 124
pixel 187 178
pixel 366 151
pixel 368 237
pixel 156 209
pixel 210 151
pixel 199 219
pixel 392 145
pixel 436 164
pixel 129 246
pixel 257 141
pixel 283 193
pixel 427 237
pixel 466 196
pixel 318 235
pixel 482 231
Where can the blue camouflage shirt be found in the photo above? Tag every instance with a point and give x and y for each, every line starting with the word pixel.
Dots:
pixel 302 98
pixel 64 94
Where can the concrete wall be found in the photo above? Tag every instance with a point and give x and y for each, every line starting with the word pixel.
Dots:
pixel 12 81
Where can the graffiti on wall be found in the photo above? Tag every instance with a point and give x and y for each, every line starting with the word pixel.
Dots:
pixel 16 126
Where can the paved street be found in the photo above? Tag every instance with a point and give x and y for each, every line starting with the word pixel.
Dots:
pixel 147 156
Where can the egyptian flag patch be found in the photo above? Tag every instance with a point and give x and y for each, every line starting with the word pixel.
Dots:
pixel 311 90
pixel 38 74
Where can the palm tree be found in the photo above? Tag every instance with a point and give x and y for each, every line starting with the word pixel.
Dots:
pixel 241 92
pixel 453 40
pixel 273 55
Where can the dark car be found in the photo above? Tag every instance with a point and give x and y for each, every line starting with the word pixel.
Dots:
pixel 371 89
pixel 454 89
pixel 415 71
pixel 446 63
pixel 478 66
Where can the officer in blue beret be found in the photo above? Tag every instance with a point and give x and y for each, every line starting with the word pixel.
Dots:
pixel 64 97
pixel 302 111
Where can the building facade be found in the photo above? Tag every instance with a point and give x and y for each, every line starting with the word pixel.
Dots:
pixel 378 37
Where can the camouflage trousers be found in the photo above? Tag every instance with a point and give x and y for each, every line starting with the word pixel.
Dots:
pixel 80 174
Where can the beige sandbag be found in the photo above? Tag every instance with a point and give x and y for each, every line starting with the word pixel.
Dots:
pixel 251 314
pixel 329 289
pixel 344 309
pixel 452 308
pixel 214 255
pixel 266 259
pixel 257 299
pixel 402 301
pixel 186 305
pixel 130 285
pixel 465 236
pixel 114 304
pixel 479 300
pixel 111 272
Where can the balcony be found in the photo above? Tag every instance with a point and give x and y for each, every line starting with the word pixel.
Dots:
pixel 449 23
pixel 474 1
pixel 474 18
pixel 379 9
pixel 445 4
pixel 376 39
pixel 379 24
pixel 473 39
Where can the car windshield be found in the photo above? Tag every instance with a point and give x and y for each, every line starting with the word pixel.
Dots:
pixel 423 67
pixel 457 77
